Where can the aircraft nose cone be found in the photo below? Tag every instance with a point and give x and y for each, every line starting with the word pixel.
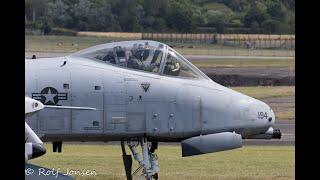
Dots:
pixel 272 117
pixel 264 113
pixel 258 112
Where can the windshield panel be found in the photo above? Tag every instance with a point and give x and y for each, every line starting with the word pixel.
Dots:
pixel 177 65
pixel 139 55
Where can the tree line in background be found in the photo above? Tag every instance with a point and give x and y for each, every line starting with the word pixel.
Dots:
pixel 221 16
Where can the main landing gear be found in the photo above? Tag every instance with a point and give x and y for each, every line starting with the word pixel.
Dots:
pixel 148 162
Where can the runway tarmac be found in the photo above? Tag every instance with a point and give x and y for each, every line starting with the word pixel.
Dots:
pixel 287 128
pixel 212 57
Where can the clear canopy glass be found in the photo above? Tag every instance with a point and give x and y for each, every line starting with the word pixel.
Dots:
pixel 148 56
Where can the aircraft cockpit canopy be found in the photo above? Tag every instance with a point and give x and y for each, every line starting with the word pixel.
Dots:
pixel 148 56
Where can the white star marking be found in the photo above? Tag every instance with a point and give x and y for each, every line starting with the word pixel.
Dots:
pixel 49 97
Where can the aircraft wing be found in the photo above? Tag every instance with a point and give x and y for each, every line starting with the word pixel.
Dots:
pixel 69 107
pixel 33 144
pixel 32 105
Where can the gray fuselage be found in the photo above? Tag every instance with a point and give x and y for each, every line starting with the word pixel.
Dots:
pixel 132 103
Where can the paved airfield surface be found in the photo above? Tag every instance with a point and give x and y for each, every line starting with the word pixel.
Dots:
pixel 287 128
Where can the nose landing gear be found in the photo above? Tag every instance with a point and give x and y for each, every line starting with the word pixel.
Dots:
pixel 148 162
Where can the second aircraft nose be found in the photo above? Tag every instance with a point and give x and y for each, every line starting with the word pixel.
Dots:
pixel 264 113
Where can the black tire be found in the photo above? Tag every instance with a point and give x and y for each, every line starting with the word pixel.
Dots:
pixel 155 176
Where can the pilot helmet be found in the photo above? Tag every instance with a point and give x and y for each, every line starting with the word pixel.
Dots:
pixel 140 52
pixel 120 51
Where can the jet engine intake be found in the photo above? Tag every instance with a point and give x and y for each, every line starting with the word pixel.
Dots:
pixel 210 143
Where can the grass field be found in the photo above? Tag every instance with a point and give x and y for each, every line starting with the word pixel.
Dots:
pixel 261 92
pixel 61 43
pixel 249 162
pixel 285 115
pixel 74 43
pixel 246 63
pixel 233 51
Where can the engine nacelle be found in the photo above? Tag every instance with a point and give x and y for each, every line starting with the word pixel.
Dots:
pixel 210 143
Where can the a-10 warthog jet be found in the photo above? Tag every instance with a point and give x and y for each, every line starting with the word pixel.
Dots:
pixel 140 93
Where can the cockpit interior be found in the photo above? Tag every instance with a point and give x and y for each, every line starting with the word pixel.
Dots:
pixel 147 56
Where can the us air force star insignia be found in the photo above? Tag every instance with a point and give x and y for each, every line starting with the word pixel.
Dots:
pixel 145 86
pixel 50 96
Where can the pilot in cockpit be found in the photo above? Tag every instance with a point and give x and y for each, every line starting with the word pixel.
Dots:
pixel 172 66
pixel 138 55
pixel 145 58
pixel 109 57
pixel 120 53
pixel 155 59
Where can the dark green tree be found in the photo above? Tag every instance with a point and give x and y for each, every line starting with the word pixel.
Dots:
pixel 255 15
pixel 276 10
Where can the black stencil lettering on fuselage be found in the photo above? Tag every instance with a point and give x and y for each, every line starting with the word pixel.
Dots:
pixel 262 115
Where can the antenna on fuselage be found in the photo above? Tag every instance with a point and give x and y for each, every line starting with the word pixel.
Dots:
pixel 64 63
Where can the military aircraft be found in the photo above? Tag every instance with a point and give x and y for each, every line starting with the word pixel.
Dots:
pixel 140 93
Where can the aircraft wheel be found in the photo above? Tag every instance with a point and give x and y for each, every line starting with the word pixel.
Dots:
pixel 155 176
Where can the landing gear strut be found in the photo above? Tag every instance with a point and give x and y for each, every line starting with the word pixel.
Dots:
pixel 148 162
pixel 127 161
